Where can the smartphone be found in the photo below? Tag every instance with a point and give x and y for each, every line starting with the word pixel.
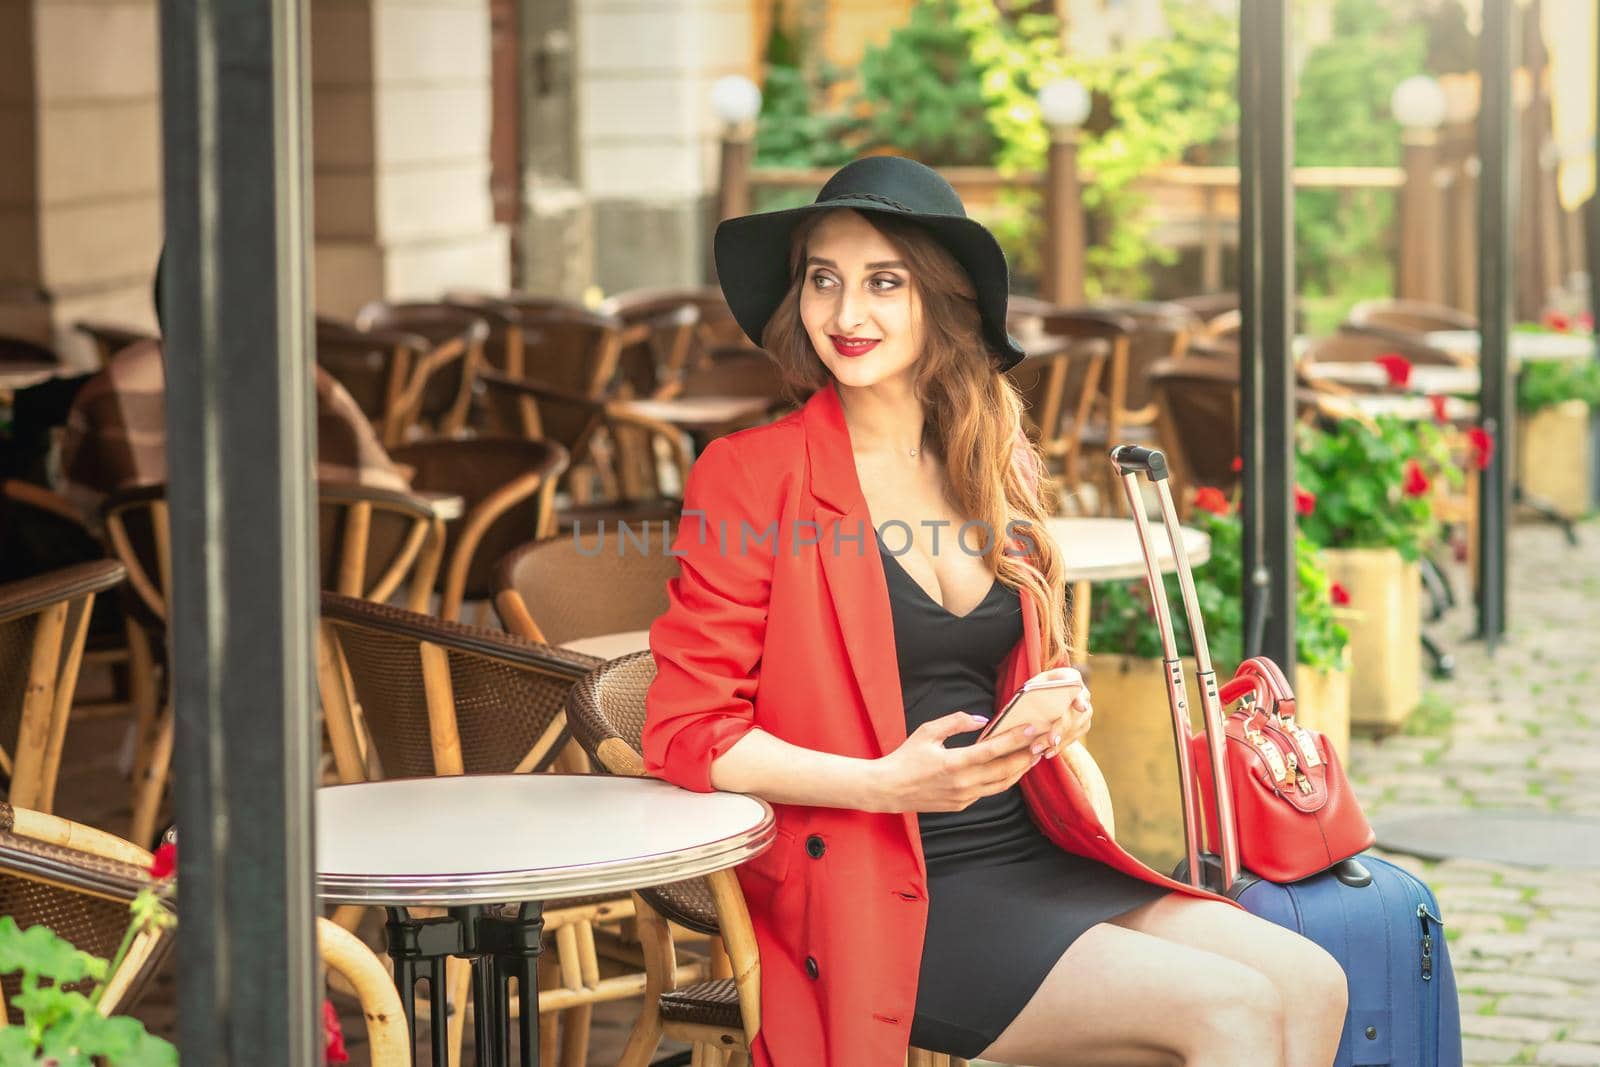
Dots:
pixel 1018 709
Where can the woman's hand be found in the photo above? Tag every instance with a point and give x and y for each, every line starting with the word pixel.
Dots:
pixel 1076 711
pixel 923 775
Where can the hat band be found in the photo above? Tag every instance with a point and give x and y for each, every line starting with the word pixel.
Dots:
pixel 897 205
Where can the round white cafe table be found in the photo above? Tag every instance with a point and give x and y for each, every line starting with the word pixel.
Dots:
pixel 611 646
pixel 1406 406
pixel 1106 550
pixel 466 841
pixel 1425 378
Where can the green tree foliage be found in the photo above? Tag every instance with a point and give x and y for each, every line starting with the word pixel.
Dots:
pixel 1346 239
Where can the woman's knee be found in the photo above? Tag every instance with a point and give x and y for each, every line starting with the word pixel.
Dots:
pixel 1322 982
pixel 1244 1010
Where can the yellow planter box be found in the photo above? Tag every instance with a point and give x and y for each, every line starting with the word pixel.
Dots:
pixel 1386 636
pixel 1132 743
pixel 1553 457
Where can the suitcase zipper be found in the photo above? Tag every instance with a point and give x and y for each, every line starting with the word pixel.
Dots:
pixel 1429 1001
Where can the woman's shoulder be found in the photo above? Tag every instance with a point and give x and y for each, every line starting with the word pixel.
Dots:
pixel 763 452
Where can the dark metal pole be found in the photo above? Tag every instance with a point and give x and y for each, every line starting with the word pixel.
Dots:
pixel 1496 197
pixel 239 456
pixel 1266 290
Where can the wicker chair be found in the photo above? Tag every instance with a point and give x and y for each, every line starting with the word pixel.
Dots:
pixel 43 623
pixel 407 695
pixel 607 711
pixel 1197 404
pixel 1207 306
pixel 386 372
pixel 716 332
pixel 588 428
pixel 1058 417
pixel 1109 417
pixel 79 882
pixel 508 485
pixel 41 530
pixel 1161 330
pixel 1365 347
pixel 362 532
pixel 546 590
pixel 439 396
pixel 1405 319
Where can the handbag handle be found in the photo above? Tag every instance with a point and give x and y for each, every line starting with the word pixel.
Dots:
pixel 1268 681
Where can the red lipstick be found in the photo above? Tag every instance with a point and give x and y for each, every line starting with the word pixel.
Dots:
pixel 852 346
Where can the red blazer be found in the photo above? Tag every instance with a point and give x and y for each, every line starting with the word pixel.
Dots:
pixel 795 637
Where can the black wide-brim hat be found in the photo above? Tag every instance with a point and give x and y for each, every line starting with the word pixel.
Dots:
pixel 753 250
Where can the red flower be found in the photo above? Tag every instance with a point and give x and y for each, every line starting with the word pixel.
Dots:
pixel 1237 465
pixel 1482 442
pixel 1396 366
pixel 1439 400
pixel 1305 501
pixel 165 861
pixel 333 1050
pixel 1416 482
pixel 1339 595
pixel 1558 322
pixel 1210 498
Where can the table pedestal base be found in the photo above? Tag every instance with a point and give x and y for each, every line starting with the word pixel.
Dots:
pixel 501 947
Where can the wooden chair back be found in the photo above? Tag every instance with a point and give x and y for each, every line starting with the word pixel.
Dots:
pixel 578 352
pixel 508 315
pixel 1346 347
pixel 1095 390
pixel 43 623
pixel 436 697
pixel 1197 403
pixel 378 368
pixel 1406 318
pixel 371 541
pixel 78 882
pixel 1057 414
pixel 1161 330
pixel 439 394
pixel 525 407
pixel 566 588
pixel 508 485
pixel 715 328
pixel 1207 306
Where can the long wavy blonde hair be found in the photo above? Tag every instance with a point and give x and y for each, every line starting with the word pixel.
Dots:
pixel 973 415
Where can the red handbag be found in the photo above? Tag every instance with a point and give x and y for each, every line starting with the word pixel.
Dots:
pixel 1293 807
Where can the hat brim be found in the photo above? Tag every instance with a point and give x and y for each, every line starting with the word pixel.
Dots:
pixel 752 254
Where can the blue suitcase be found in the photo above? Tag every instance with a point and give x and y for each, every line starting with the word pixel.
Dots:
pixel 1380 922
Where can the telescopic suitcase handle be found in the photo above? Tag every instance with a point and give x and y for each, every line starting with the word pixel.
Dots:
pixel 1130 462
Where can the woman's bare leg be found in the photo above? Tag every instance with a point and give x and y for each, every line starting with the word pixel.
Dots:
pixel 1119 998
pixel 1309 981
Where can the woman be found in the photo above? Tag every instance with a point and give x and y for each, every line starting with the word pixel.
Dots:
pixel 910 896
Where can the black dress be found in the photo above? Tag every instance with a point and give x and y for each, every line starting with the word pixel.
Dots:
pixel 1004 903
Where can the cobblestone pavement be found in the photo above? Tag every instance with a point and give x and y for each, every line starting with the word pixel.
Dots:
pixel 1520 731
